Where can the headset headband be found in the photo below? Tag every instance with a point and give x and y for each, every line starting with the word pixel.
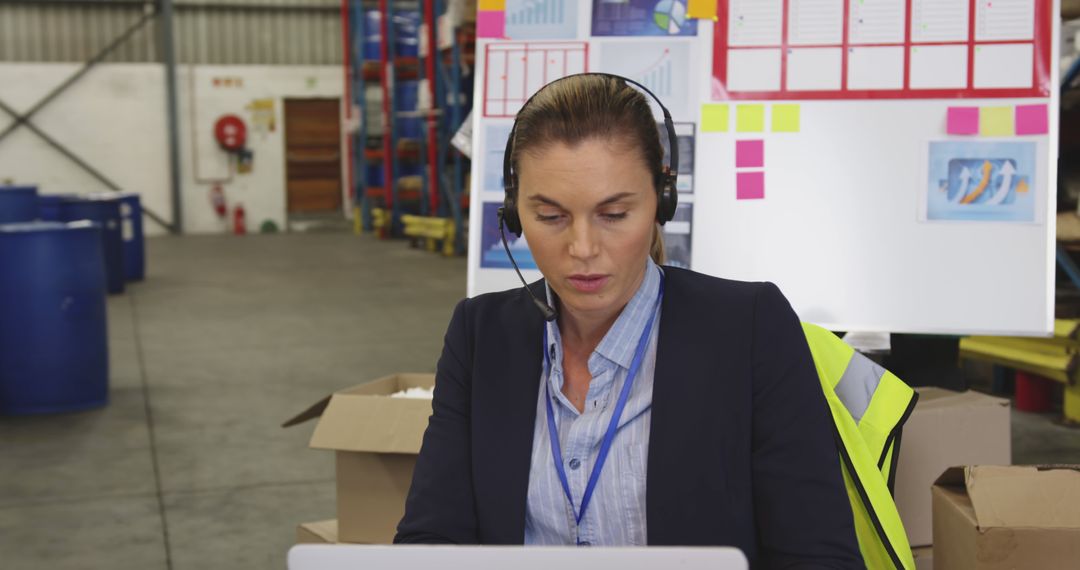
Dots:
pixel 669 125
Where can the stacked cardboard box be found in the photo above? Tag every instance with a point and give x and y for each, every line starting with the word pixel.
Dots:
pixel 1000 517
pixel 947 428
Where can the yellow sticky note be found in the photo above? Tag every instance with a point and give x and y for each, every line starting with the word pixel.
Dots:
pixel 750 118
pixel 701 9
pixel 786 118
pixel 997 122
pixel 492 5
pixel 714 118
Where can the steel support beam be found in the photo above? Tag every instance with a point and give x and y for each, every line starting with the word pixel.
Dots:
pixel 23 118
pixel 168 53
pixel 80 162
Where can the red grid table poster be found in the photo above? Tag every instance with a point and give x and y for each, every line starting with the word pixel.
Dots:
pixel 513 71
pixel 882 49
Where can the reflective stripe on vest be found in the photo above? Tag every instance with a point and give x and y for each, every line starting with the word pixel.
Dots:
pixel 869 406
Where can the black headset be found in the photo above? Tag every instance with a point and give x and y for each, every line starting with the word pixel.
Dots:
pixel 666 192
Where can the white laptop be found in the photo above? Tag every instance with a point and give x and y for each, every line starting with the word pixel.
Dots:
pixel 384 557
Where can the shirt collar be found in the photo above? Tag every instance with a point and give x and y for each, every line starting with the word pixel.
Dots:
pixel 619 343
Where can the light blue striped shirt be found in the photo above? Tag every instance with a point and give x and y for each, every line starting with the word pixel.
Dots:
pixel 616 514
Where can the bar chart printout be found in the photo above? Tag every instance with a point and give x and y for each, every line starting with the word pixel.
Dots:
pixel 541 19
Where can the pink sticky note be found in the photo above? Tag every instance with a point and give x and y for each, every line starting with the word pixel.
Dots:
pixel 749 185
pixel 749 154
pixel 491 24
pixel 1032 120
pixel 963 121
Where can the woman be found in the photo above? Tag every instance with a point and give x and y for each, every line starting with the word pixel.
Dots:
pixel 719 431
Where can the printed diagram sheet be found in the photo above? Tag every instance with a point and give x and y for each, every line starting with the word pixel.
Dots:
pixel 981 182
pixel 877 22
pixel 756 22
pixel 516 70
pixel 875 49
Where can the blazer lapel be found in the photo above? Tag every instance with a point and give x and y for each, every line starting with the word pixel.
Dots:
pixel 504 432
pixel 685 475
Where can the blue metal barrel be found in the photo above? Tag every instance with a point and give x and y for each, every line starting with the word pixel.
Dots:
pixel 407 33
pixel 372 34
pixel 105 210
pixel 18 204
pixel 133 235
pixel 49 206
pixel 407 98
pixel 54 354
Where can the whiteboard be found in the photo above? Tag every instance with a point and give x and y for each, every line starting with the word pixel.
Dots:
pixel 872 213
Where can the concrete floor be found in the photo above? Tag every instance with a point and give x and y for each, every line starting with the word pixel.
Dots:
pixel 187 468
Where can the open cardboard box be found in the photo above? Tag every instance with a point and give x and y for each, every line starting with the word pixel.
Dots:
pixel 946 428
pixel 375 439
pixel 318 532
pixel 997 518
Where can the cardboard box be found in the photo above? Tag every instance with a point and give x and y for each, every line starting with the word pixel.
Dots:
pixel 946 428
pixel 318 532
pixel 376 439
pixel 992 517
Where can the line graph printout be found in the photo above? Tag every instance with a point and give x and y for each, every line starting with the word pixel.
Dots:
pixel 889 49
pixel 662 67
pixel 877 21
pixel 516 70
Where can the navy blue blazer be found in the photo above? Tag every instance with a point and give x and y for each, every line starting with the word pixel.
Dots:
pixel 741 450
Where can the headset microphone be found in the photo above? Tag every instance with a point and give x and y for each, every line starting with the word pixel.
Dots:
pixel 549 312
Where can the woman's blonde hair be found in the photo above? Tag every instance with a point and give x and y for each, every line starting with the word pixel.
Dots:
pixel 582 107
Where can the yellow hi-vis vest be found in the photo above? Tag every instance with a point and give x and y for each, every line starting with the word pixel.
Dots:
pixel 869 406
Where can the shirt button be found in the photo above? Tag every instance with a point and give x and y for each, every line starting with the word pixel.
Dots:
pixel 575 463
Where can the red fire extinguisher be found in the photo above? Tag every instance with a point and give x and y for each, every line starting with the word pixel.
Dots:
pixel 217 200
pixel 239 222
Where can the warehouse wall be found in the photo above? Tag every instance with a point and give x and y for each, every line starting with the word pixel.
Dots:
pixel 206 31
pixel 262 192
pixel 114 118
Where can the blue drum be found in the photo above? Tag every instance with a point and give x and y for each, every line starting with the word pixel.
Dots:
pixel 18 204
pixel 105 211
pixel 49 206
pixel 131 220
pixel 372 33
pixel 54 354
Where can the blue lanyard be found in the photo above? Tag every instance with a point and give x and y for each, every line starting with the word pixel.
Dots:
pixel 609 436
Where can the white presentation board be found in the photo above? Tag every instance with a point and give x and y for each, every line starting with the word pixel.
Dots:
pixel 889 164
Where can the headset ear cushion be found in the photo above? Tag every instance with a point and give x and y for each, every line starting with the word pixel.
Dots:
pixel 510 215
pixel 669 200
